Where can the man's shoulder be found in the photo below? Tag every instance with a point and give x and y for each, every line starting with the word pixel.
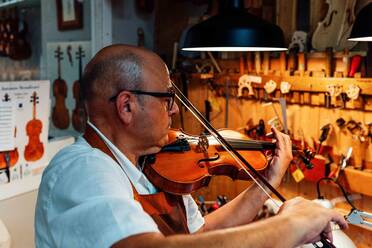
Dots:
pixel 79 153
pixel 78 160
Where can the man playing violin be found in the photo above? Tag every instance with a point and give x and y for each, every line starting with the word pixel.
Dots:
pixel 94 194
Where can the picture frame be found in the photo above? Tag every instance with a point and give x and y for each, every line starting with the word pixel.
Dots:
pixel 69 14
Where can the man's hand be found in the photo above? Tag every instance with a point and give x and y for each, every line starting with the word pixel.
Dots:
pixel 311 220
pixel 281 158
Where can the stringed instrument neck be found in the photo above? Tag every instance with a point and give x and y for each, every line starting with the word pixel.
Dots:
pixel 79 116
pixel 59 58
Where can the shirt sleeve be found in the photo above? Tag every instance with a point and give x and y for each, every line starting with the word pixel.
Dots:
pixel 93 206
pixel 194 218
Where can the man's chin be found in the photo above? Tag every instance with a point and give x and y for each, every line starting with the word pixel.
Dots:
pixel 152 150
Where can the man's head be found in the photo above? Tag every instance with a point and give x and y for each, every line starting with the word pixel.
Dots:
pixel 118 87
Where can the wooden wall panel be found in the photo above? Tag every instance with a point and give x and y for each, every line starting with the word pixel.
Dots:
pixel 306 118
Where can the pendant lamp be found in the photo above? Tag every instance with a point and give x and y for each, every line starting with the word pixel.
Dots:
pixel 362 29
pixel 234 29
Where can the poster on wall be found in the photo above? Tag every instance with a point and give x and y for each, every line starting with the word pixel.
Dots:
pixel 66 61
pixel 24 118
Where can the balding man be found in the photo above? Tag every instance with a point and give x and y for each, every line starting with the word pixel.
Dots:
pixel 94 194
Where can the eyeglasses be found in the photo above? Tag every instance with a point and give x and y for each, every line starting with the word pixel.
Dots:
pixel 170 95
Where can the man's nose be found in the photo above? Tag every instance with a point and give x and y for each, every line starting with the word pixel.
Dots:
pixel 174 110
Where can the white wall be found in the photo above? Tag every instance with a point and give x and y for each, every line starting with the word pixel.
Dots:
pixel 17 213
pixel 126 20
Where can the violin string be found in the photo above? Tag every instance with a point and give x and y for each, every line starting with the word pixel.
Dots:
pixel 228 150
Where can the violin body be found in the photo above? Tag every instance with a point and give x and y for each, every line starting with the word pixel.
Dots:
pixel 346 27
pixel 187 164
pixel 34 149
pixel 335 28
pixel 60 116
pixel 3 34
pixel 13 158
pixel 18 47
pixel 4 45
pixel 79 115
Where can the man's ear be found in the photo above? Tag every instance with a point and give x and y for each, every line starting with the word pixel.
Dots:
pixel 124 103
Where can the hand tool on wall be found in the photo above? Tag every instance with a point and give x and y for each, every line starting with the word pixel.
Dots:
pixel 323 136
pixel 283 106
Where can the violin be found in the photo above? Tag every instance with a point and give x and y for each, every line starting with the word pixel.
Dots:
pixel 198 158
pixel 168 178
pixel 60 116
pixel 18 48
pixel 34 149
pixel 12 157
pixel 79 114
pixel 3 34
pixel 334 29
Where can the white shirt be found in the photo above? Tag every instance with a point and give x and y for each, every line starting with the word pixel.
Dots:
pixel 86 200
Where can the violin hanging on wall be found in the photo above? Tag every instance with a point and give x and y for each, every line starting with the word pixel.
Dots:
pixel 346 27
pixel 60 115
pixel 34 149
pixel 3 33
pixel 335 28
pixel 7 19
pixel 18 48
pixel 79 114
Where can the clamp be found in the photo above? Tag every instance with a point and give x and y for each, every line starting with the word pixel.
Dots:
pixel 359 217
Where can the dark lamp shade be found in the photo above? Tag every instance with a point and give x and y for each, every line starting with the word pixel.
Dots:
pixel 362 29
pixel 234 30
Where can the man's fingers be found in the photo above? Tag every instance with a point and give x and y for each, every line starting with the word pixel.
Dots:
pixel 279 137
pixel 284 142
pixel 339 219
pixel 283 139
pixel 327 232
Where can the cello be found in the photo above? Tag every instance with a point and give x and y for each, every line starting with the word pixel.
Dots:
pixel 79 114
pixel 34 149
pixel 60 116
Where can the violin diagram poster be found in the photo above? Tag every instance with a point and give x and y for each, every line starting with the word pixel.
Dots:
pixel 65 64
pixel 7 124
pixel 24 112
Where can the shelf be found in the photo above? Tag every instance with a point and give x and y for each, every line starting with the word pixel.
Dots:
pixel 19 3
pixel 358 181
pixel 318 84
pixel 298 83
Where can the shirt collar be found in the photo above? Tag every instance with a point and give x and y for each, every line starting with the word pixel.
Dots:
pixel 133 173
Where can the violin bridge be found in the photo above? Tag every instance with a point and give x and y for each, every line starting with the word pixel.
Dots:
pixel 203 144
